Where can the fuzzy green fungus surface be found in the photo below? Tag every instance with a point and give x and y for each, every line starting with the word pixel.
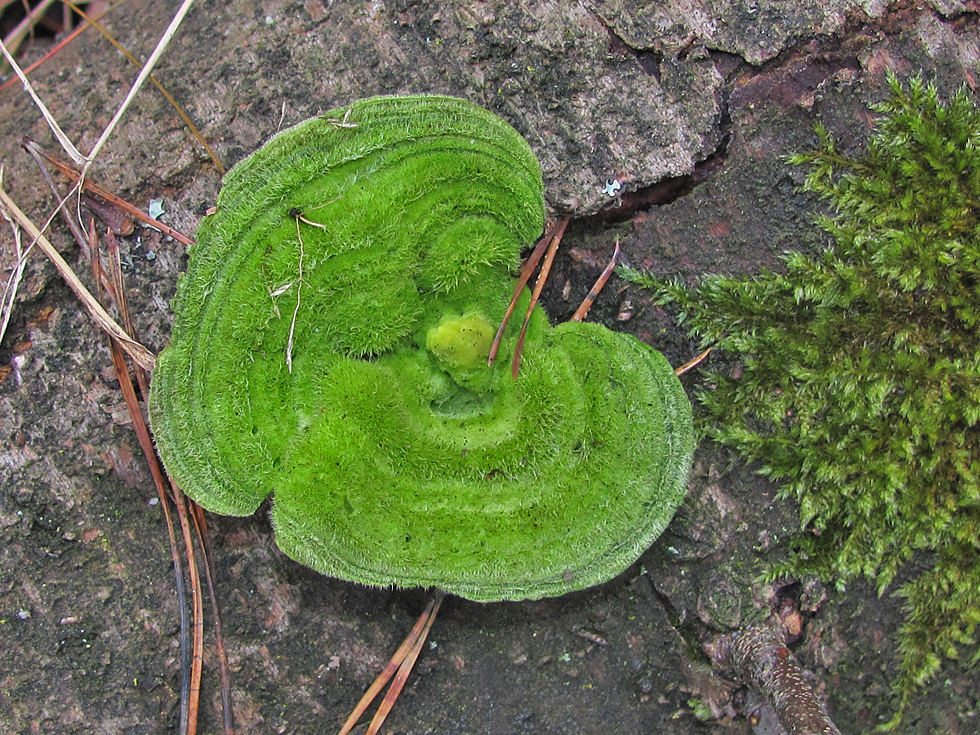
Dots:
pixel 329 347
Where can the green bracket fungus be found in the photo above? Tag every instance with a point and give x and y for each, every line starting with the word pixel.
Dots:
pixel 330 346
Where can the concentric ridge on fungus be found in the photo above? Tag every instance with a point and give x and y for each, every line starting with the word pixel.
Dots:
pixel 329 346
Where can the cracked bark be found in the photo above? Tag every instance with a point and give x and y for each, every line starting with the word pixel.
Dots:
pixel 643 97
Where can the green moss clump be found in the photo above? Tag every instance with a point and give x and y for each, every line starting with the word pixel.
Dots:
pixel 330 346
pixel 860 379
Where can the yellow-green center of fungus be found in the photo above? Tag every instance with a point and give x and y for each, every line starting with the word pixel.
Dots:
pixel 461 342
pixel 338 361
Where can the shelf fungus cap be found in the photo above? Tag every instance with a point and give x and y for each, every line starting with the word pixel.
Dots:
pixel 329 348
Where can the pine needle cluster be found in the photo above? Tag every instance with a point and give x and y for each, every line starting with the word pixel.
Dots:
pixel 859 385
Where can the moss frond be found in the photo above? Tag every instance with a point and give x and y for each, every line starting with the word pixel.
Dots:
pixel 860 380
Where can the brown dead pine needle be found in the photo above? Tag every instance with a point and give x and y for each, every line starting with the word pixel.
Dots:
pixel 402 662
pixel 189 514
pixel 35 149
pixel 693 362
pixel 200 524
pixel 583 310
pixel 192 654
pixel 167 493
pixel 546 247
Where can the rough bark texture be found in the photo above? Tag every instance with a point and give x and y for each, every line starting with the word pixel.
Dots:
pixel 691 106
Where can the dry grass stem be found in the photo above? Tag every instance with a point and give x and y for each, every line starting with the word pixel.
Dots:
pixel 16 273
pixel 143 357
pixel 22 29
pixel 140 79
pixel 93 21
pixel 66 143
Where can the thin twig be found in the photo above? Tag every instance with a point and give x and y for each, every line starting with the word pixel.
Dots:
pixel 191 689
pixel 119 294
pixel 73 224
pixel 192 652
pixel 761 660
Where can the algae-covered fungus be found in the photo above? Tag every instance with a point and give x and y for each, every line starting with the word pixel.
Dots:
pixel 330 346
